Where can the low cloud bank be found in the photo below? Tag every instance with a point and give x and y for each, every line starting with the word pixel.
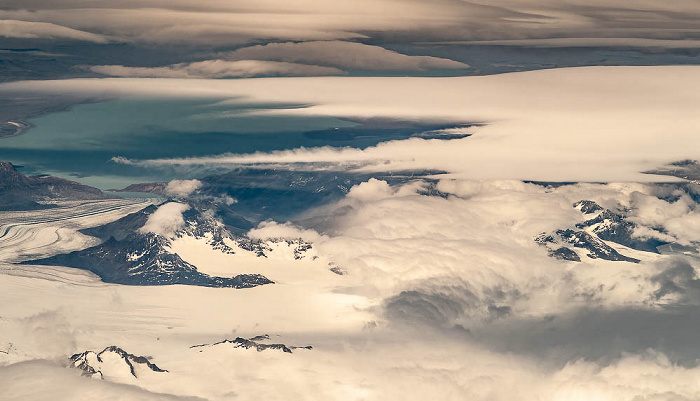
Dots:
pixel 45 30
pixel 575 124
pixel 342 55
pixel 217 69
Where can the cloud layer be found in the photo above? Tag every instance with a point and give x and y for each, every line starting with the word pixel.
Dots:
pixel 576 124
pixel 221 22
pixel 45 30
pixel 217 69
pixel 344 55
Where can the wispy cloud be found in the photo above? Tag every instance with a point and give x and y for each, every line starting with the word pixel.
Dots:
pixel 344 55
pixel 45 30
pixel 217 69
pixel 578 124
pixel 224 23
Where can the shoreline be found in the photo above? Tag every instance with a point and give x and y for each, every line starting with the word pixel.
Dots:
pixel 15 112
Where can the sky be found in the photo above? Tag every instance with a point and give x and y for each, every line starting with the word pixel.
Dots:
pixel 495 119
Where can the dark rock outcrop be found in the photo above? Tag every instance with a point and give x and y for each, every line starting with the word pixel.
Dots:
pixel 564 253
pixel 596 248
pixel 20 192
pixel 256 343
pixel 587 206
pixel 614 227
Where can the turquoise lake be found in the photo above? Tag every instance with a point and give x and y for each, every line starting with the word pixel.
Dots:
pixel 78 143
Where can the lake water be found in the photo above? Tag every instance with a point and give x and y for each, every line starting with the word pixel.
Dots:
pixel 78 143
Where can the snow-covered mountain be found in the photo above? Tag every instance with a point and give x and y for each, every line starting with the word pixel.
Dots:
pixel 592 234
pixel 128 255
pixel 615 227
pixel 113 362
pixel 142 259
pixel 259 343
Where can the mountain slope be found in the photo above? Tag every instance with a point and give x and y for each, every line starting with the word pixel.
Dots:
pixel 141 259
pixel 20 192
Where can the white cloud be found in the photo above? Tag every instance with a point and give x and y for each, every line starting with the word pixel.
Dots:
pixel 273 230
pixel 45 381
pixel 371 190
pixel 182 188
pixel 680 218
pixel 166 220
pixel 573 124
pixel 47 334
pixel 343 55
pixel 421 271
pixel 45 30
pixel 217 69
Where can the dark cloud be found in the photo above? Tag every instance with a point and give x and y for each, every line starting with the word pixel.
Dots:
pixel 678 279
pixel 438 304
pixel 598 334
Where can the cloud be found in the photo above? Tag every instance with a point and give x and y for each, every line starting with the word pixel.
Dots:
pixel 166 220
pixel 459 303
pixel 217 69
pixel 19 382
pixel 223 23
pixel 679 279
pixel 182 188
pixel 47 334
pixel 373 189
pixel 45 30
pixel 343 55
pixel 679 216
pixel 273 230
pixel 573 124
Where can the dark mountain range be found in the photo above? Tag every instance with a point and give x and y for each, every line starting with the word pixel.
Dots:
pixel 142 259
pixel 259 343
pixel 20 192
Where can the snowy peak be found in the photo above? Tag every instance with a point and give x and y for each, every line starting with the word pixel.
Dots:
pixel 113 362
pixel 596 248
pixel 143 259
pixel 587 206
pixel 615 227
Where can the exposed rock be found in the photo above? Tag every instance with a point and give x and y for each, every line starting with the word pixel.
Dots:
pixel 20 192
pixel 141 259
pixel 614 227
pixel 564 253
pixel 93 363
pixel 597 249
pixel 157 188
pixel 587 206
pixel 255 343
